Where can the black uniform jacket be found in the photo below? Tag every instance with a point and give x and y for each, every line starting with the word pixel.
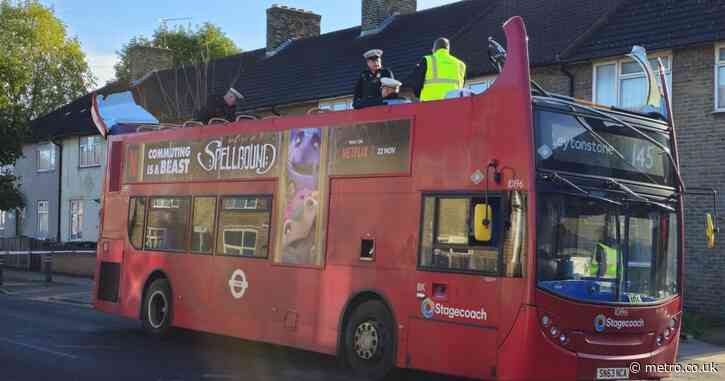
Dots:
pixel 367 89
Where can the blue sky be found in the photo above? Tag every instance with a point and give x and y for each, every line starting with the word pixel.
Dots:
pixel 104 26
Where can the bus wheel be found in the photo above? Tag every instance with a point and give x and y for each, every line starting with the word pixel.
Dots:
pixel 157 309
pixel 369 342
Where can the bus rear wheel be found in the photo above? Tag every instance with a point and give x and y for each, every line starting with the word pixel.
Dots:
pixel 157 308
pixel 369 342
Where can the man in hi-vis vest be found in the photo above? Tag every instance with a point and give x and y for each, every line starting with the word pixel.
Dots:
pixel 439 73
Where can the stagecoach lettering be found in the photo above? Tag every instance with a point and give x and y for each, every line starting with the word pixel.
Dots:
pixel 258 157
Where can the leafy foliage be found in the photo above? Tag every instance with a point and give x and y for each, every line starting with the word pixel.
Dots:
pixel 41 69
pixel 188 46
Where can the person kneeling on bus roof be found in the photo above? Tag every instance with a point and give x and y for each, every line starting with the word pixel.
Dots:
pixel 391 92
pixel 218 106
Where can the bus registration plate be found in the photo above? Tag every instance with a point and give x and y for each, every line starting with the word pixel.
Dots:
pixel 612 373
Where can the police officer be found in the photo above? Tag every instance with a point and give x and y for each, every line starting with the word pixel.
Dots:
pixel 439 73
pixel 368 89
pixel 391 92
pixel 218 106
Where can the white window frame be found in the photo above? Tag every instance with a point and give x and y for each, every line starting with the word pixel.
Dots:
pixel 240 248
pixel 487 81
pixel 155 238
pixel 329 104
pixel 719 64
pixel 89 154
pixel 46 213
pixel 76 218
pixel 38 150
pixel 619 76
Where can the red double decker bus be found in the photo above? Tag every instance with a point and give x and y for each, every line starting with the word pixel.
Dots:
pixel 508 235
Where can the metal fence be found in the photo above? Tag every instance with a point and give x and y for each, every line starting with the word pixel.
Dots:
pixel 27 253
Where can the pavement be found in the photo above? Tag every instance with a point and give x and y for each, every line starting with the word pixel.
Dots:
pixel 50 331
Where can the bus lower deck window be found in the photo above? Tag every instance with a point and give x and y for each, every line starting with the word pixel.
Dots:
pixel 244 227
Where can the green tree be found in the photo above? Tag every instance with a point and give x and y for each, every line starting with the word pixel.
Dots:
pixel 41 69
pixel 188 45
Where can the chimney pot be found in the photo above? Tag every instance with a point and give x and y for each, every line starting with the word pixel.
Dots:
pixel 374 12
pixel 285 23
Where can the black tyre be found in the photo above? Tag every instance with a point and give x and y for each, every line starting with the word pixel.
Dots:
pixel 157 309
pixel 369 345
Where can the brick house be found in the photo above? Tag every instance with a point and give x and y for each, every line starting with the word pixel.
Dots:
pixel 577 48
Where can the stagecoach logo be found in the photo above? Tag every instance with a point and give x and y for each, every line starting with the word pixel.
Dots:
pixel 257 157
pixel 599 323
pixel 602 322
pixel 429 308
pixel 238 284
pixel 426 308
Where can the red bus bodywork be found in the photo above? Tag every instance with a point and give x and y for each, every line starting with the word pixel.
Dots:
pixel 305 306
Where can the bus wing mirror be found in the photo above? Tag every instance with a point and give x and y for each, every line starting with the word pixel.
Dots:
pixel 483 219
pixel 710 230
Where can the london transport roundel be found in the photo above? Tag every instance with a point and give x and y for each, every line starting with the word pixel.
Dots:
pixel 238 284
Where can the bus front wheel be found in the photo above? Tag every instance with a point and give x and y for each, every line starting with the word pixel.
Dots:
pixel 369 342
pixel 157 308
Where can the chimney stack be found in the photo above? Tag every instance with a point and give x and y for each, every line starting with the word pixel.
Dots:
pixel 145 59
pixel 285 23
pixel 374 12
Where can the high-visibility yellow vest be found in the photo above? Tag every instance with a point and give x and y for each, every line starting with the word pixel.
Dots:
pixel 611 258
pixel 444 73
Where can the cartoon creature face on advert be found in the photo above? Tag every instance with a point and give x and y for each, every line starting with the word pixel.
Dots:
pixel 303 197
pixel 303 163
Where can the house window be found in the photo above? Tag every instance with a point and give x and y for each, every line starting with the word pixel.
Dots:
pixel 3 216
pixel 720 78
pixel 90 151
pixel 76 219
pixel 336 105
pixel 42 219
pixel 482 84
pixel 45 158
pixel 623 84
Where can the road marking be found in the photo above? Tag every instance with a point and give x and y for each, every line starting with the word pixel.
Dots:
pixel 217 376
pixel 40 349
pixel 88 347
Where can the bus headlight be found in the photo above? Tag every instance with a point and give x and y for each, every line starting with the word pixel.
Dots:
pixel 545 321
pixel 554 331
pixel 659 340
pixel 563 339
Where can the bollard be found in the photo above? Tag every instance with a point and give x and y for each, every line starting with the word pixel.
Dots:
pixel 48 266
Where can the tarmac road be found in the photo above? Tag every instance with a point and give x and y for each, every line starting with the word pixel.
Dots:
pixel 50 333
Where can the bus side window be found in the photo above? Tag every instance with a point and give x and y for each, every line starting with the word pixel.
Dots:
pixel 202 225
pixel 167 222
pixel 244 226
pixel 449 240
pixel 136 221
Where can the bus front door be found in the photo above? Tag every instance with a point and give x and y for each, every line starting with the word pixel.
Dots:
pixel 453 327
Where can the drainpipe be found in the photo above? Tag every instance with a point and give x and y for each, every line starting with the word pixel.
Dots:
pixel 60 184
pixel 568 74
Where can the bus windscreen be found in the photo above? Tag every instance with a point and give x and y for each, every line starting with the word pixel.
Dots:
pixel 564 142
